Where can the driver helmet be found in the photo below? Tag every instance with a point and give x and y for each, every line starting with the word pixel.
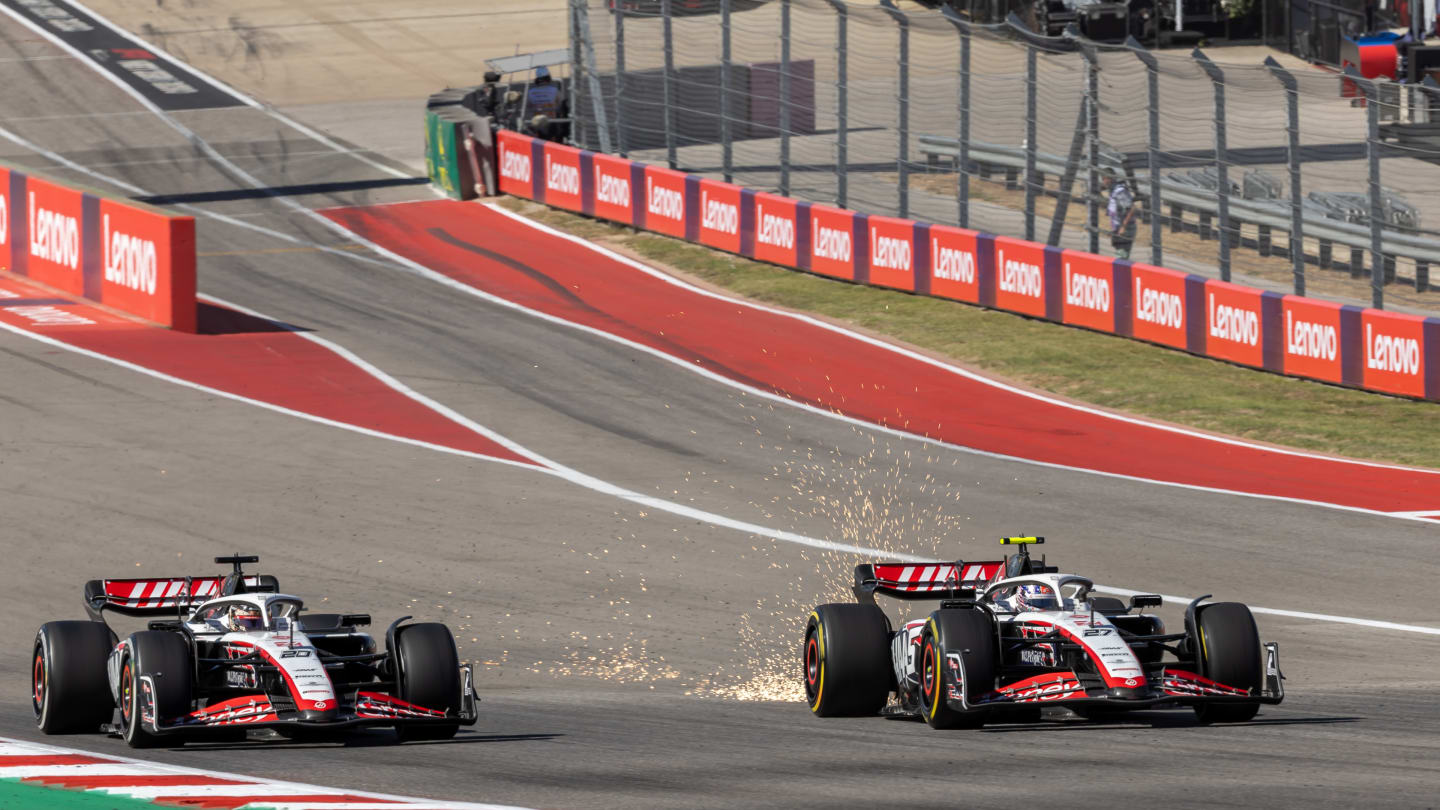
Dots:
pixel 1034 597
pixel 244 618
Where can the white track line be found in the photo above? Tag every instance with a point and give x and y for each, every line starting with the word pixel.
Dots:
pixel 604 487
pixel 252 786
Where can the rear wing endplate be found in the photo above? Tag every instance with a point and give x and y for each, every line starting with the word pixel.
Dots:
pixel 924 580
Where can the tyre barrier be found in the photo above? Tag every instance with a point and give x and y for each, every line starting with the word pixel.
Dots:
pixel 114 251
pixel 1370 349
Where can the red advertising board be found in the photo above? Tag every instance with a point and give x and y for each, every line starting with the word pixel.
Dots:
pixel 832 242
pixel 562 176
pixel 1394 352
pixel 776 226
pixel 892 253
pixel 1158 305
pixel 613 197
pixel 516 169
pixel 1311 338
pixel 953 259
pixel 53 235
pixel 665 201
pixel 720 215
pixel 1089 290
pixel 147 262
pixel 1234 323
pixel 7 211
pixel 1019 276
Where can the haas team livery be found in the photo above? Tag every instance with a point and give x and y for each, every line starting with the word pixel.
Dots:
pixel 235 653
pixel 1014 635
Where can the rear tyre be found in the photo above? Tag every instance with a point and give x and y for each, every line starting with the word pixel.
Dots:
pixel 69 691
pixel 971 635
pixel 1227 646
pixel 847 663
pixel 428 674
pixel 165 658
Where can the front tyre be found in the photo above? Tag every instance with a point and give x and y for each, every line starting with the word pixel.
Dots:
pixel 1227 647
pixel 428 674
pixel 68 688
pixel 970 634
pixel 165 658
pixel 846 655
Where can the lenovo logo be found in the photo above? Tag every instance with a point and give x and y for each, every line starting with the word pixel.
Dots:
pixel 664 202
pixel 1308 339
pixel 561 177
pixel 1087 292
pixel 1159 307
pixel 515 166
pixel 718 216
pixel 952 264
pixel 1020 278
pixel 612 190
pixel 831 243
pixel 1234 323
pixel 888 252
pixel 776 231
pixel 1391 353
pixel 129 260
pixel 54 237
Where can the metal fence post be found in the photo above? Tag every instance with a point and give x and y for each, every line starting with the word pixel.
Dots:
pixel 620 141
pixel 1292 126
pixel 903 153
pixel 727 140
pixel 592 77
pixel 1377 209
pixel 842 102
pixel 576 103
pixel 666 81
pixel 1222 191
pixel 1030 115
pixel 962 107
pixel 1092 157
pixel 1152 151
pixel 784 97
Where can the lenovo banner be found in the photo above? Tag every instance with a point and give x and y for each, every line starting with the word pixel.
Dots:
pixel 52 246
pixel 613 192
pixel 147 261
pixel 1234 323
pixel 1393 346
pixel 515 155
pixel 892 253
pixel 665 201
pixel 1020 276
pixel 776 227
pixel 1158 305
pixel 562 177
pixel 720 215
pixel 1089 288
pixel 954 256
pixel 1311 339
pixel 832 242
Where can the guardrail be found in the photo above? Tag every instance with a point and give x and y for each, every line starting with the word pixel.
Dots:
pixel 1287 334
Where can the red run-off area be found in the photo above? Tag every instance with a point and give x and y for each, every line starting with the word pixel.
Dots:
pixel 1286 334
pixel 245 356
pixel 121 253
pixel 836 371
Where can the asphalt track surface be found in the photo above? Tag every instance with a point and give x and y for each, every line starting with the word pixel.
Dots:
pixel 109 472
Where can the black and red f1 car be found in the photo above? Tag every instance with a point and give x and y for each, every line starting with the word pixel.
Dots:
pixel 1014 635
pixel 236 653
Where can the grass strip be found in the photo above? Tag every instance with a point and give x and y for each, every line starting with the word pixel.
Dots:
pixel 1105 370
pixel 17 795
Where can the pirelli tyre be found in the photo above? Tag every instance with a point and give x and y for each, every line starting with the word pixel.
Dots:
pixel 1227 647
pixel 969 634
pixel 846 655
pixel 157 661
pixel 427 674
pixel 68 687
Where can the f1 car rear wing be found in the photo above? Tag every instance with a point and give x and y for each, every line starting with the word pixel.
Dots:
pixel 157 597
pixel 926 580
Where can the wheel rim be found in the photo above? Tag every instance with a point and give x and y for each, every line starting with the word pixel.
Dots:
pixel 38 681
pixel 126 694
pixel 812 663
pixel 929 672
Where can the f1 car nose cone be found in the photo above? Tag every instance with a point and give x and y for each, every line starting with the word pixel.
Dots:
pixel 318 716
pixel 1124 693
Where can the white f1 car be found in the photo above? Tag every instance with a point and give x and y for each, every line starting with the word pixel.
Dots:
pixel 1014 635
pixel 243 656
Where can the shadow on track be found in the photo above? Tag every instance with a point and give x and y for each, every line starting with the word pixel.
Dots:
pixel 1163 722
pixel 217 320
pixel 382 739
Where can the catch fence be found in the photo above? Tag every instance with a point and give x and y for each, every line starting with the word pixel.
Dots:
pixel 1281 175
